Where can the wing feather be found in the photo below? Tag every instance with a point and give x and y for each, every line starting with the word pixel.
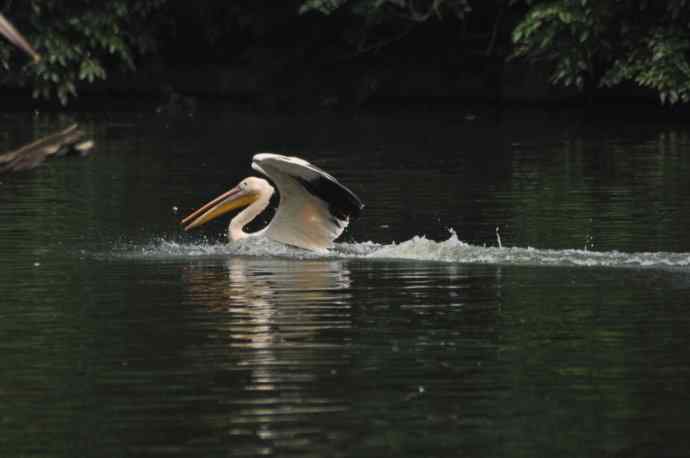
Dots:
pixel 314 207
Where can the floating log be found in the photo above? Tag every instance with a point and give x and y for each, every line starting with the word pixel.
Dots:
pixel 69 141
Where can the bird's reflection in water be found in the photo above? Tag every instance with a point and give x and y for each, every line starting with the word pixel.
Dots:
pixel 284 301
pixel 283 325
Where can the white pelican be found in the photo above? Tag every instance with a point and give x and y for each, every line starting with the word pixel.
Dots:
pixel 314 207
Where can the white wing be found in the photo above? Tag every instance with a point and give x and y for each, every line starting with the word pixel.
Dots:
pixel 314 207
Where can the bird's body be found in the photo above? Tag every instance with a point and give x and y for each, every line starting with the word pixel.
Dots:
pixel 314 207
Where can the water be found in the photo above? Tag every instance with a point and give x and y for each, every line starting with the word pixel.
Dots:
pixel 121 335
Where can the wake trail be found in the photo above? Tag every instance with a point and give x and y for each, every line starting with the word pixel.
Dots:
pixel 418 248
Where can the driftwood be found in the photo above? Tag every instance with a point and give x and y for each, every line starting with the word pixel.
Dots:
pixel 67 142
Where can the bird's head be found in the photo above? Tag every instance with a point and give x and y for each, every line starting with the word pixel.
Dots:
pixel 245 193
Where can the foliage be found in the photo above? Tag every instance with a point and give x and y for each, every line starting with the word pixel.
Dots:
pixel 78 40
pixel 412 10
pixel 588 43
pixel 606 42
pixel 385 21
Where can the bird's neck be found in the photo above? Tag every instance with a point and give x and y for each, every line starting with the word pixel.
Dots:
pixel 246 216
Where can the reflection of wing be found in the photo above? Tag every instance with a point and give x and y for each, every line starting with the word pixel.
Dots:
pixel 314 207
pixel 63 143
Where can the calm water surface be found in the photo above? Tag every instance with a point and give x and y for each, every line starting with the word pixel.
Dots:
pixel 122 336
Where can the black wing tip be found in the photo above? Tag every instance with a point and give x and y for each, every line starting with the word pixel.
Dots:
pixel 342 202
pixel 358 207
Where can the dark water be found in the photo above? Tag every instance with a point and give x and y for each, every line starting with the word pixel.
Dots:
pixel 121 336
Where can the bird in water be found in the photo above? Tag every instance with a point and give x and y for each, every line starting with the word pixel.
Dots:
pixel 313 211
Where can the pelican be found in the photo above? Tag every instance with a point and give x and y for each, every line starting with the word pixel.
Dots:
pixel 314 207
pixel 7 29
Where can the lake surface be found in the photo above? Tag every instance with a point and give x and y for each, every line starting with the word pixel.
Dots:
pixel 417 336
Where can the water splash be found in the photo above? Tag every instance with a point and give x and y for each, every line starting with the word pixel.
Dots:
pixel 418 248
pixel 454 250
pixel 258 247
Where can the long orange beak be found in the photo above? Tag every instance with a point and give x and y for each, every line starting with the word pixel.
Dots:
pixel 7 29
pixel 235 198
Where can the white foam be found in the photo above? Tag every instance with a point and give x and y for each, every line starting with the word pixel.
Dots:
pixel 418 248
